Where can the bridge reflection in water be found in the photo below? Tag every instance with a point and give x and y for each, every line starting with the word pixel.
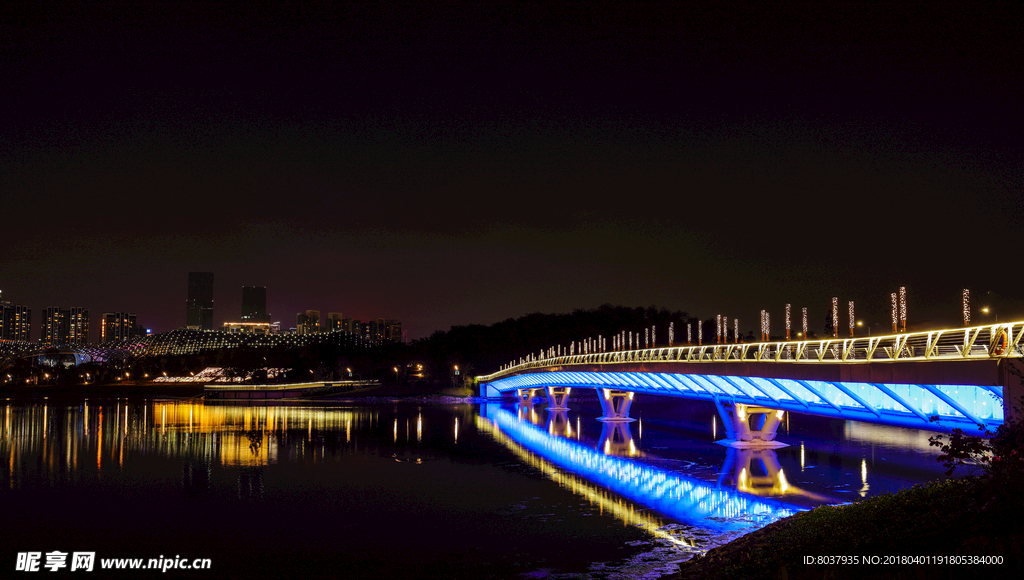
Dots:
pixel 733 504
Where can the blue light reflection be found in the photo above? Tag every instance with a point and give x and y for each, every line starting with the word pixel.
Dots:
pixel 685 499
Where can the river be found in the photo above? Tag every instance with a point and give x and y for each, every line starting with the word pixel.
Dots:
pixel 407 489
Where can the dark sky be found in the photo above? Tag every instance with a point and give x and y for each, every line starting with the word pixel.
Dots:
pixel 470 162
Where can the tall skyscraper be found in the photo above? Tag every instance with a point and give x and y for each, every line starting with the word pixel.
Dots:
pixel 15 321
pixel 254 304
pixel 199 306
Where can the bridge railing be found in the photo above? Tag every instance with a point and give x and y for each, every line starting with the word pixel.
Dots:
pixel 990 341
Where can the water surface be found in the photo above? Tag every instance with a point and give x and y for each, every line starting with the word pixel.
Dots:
pixel 402 489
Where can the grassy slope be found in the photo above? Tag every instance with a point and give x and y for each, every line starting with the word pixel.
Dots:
pixel 959 516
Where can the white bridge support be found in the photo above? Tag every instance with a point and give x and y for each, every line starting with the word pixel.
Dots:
pixel 739 433
pixel 525 396
pixel 558 398
pixel 615 405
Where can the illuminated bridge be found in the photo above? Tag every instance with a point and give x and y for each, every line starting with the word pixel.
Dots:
pixel 963 377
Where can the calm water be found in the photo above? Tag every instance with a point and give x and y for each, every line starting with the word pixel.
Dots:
pixel 416 490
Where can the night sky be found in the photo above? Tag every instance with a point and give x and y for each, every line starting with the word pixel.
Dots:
pixel 471 162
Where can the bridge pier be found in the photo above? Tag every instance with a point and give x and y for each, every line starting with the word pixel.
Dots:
pixel 615 405
pixel 525 396
pixel 737 419
pixel 1012 375
pixel 558 398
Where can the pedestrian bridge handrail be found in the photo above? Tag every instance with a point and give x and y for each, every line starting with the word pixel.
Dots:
pixel 974 342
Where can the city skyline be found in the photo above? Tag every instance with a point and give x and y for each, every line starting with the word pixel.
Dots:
pixel 452 165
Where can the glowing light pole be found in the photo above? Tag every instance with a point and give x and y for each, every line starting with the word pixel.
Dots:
pixel 967 307
pixel 893 297
pixel 903 308
pixel 718 329
pixel 805 322
pixel 736 331
pixel 835 317
pixel 700 333
pixel 689 334
pixel 787 322
pixel 851 318
pixel 671 334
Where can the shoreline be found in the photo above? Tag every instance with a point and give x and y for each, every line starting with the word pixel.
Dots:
pixel 150 389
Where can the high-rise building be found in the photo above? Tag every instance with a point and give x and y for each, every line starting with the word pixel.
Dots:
pixel 393 331
pixel 383 330
pixel 334 322
pixel 50 325
pixel 60 326
pixel 307 322
pixel 15 321
pixel 254 304
pixel 357 329
pixel 78 325
pixel 119 326
pixel 199 306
